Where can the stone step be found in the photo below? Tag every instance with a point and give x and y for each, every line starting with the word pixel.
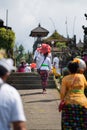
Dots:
pixel 28 81
pixel 24 81
pixel 27 74
pixel 26 77
pixel 31 86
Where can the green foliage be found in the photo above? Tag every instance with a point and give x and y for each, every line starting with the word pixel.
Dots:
pixel 21 49
pixel 7 39
pixel 61 45
pixel 20 54
pixel 29 58
pixel 56 36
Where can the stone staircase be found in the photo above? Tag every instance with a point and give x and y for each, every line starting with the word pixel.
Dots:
pixel 29 81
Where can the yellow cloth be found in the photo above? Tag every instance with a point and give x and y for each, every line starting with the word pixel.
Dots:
pixel 70 96
pixel 55 72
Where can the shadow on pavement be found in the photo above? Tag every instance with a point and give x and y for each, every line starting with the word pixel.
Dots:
pixel 51 100
pixel 35 93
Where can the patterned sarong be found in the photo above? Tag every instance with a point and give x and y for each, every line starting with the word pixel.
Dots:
pixel 44 78
pixel 74 117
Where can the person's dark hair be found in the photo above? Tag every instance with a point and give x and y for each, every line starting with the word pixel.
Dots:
pixel 45 54
pixel 3 71
pixel 73 67
pixel 55 55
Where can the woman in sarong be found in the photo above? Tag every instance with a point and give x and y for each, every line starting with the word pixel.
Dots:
pixel 74 113
pixel 45 66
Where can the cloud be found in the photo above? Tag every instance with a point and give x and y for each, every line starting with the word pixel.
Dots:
pixel 25 15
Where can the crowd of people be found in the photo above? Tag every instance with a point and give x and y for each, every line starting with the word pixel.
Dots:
pixel 73 103
pixel 24 67
pixel 73 85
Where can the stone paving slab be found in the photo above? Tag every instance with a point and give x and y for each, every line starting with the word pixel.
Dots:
pixel 41 109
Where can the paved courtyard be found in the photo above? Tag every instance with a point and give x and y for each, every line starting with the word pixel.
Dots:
pixel 41 109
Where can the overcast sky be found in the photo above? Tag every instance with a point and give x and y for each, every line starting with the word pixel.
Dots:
pixel 25 15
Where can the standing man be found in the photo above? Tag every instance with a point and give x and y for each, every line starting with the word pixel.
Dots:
pixel 36 53
pixel 11 108
pixel 56 64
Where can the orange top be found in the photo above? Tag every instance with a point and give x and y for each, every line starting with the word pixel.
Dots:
pixel 74 94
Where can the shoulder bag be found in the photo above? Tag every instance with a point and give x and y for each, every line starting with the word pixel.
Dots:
pixel 38 70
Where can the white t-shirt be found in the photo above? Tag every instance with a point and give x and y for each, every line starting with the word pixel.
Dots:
pixel 50 56
pixel 46 64
pixel 39 60
pixel 27 69
pixel 11 108
pixel 56 62
pixel 36 53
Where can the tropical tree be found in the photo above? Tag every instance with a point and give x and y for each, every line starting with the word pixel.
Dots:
pixel 29 57
pixel 61 45
pixel 21 49
pixel 7 40
pixel 20 54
